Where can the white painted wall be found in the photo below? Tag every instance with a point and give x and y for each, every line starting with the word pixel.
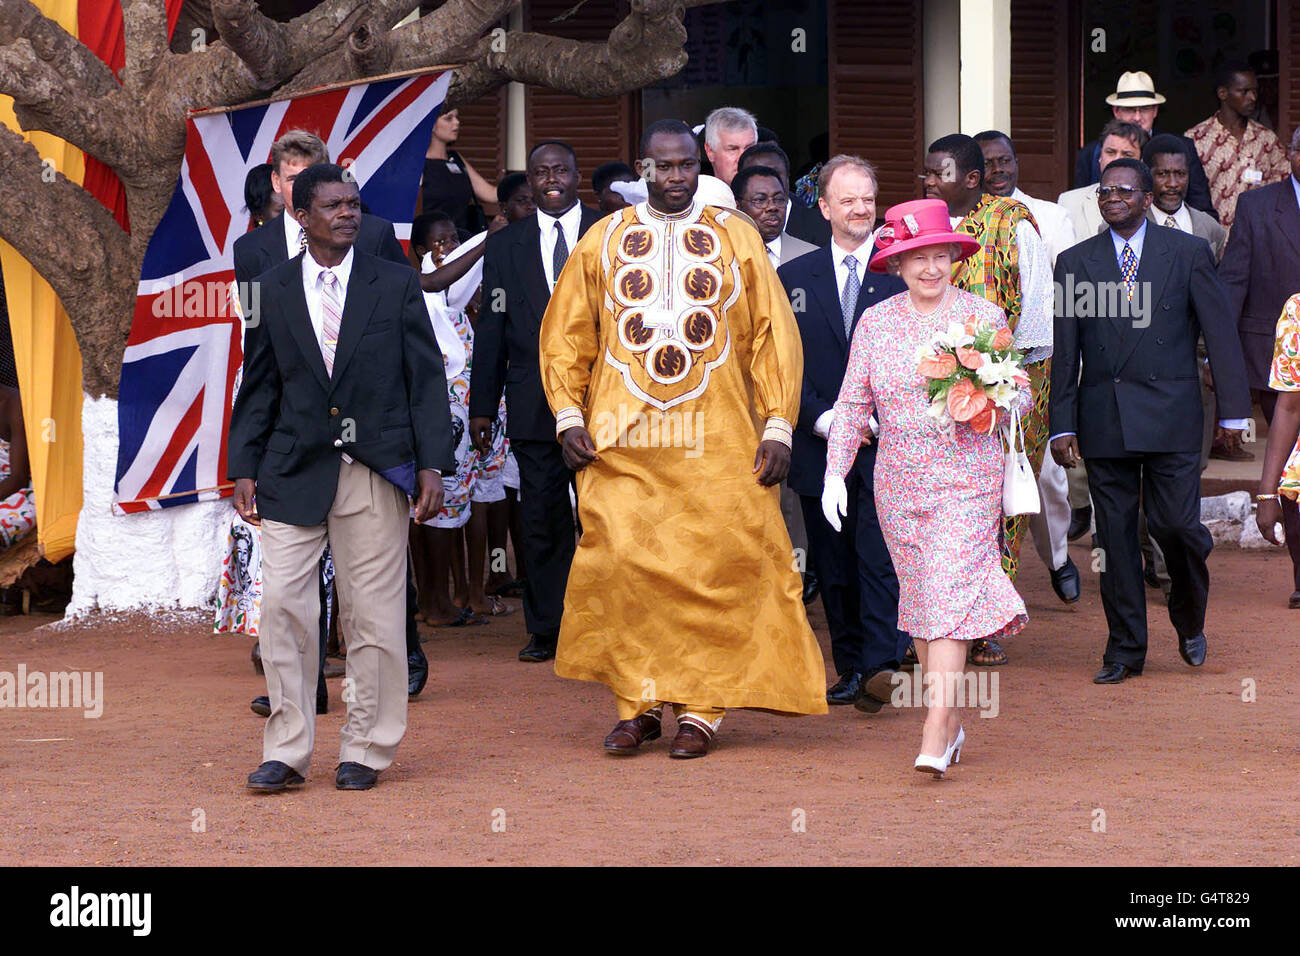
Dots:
pixel 985 66
pixel 941 67
pixel 153 561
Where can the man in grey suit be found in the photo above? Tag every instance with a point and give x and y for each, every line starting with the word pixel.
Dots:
pixel 761 195
pixel 1261 268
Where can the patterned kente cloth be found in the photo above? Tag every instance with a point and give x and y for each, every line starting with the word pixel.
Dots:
pixel 994 273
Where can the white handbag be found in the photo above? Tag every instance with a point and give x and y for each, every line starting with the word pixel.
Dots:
pixel 1019 489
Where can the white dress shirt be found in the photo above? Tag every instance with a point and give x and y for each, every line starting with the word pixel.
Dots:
pixel 1054 223
pixel 774 251
pixel 1182 218
pixel 313 288
pixel 570 222
pixel 292 234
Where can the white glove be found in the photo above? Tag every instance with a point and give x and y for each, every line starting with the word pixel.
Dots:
pixel 822 427
pixel 835 501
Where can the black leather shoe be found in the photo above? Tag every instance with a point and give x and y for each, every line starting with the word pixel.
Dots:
pixel 811 587
pixel 417 671
pixel 261 706
pixel 846 689
pixel 1065 582
pixel 272 776
pixel 1149 576
pixel 876 691
pixel 1193 649
pixel 355 776
pixel 1080 523
pixel 1115 673
pixel 541 647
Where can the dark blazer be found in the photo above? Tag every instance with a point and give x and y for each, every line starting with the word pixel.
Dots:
pixel 264 248
pixel 1140 390
pixel 811 279
pixel 1261 263
pixel 1087 170
pixel 506 340
pixel 385 404
pixel 807 223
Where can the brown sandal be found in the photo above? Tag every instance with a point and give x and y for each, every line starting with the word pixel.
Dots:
pixel 986 652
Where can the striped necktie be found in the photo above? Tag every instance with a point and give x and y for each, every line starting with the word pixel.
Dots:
pixel 1128 267
pixel 561 255
pixel 332 314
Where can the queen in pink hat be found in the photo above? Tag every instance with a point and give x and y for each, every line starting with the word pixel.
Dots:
pixel 938 488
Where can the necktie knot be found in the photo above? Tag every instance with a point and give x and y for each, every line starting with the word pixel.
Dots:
pixel 851 264
pixel 1171 222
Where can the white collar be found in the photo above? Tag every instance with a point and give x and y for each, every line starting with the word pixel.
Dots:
pixel 311 269
pixel 568 220
pixel 861 254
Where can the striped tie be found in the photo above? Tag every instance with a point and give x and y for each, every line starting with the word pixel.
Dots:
pixel 331 311
pixel 1128 267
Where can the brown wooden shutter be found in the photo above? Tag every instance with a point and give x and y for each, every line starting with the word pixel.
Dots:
pixel 1288 80
pixel 876 97
pixel 599 131
pixel 482 137
pixel 1045 75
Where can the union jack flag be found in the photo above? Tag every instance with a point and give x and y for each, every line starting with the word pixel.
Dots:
pixel 186 341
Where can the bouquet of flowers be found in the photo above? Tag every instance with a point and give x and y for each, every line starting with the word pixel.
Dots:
pixel 971 370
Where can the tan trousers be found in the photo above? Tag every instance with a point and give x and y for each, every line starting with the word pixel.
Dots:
pixel 366 529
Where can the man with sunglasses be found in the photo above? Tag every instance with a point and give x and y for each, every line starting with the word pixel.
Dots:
pixel 1131 303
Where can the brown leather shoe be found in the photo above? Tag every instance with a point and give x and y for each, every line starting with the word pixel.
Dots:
pixel 1294 601
pixel 692 740
pixel 628 735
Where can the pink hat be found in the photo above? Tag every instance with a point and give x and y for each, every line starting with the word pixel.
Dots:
pixel 914 225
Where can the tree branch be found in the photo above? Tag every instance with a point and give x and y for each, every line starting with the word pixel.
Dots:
pixel 86 259
pixel 144 31
pixel 20 19
pixel 261 44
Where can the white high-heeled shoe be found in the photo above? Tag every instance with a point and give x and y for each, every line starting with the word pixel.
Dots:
pixel 953 754
pixel 932 765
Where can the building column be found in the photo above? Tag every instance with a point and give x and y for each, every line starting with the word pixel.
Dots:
pixel 941 67
pixel 985 65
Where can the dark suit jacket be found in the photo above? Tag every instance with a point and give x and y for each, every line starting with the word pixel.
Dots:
pixel 1261 264
pixel 1087 170
pixel 811 279
pixel 808 224
pixel 506 340
pixel 385 404
pixel 1140 390
pixel 264 248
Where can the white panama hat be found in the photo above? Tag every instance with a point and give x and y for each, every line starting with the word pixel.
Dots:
pixel 1135 89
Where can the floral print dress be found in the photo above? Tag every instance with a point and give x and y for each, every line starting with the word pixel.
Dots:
pixel 1284 376
pixel 939 499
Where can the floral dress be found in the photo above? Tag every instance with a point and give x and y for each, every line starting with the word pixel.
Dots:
pixel 1284 376
pixel 18 511
pixel 939 499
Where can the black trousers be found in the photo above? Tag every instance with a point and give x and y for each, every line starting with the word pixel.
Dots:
pixel 1167 486
pixel 858 585
pixel 547 518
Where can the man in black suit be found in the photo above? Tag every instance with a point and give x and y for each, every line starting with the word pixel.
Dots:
pixel 341 418
pixel 1131 303
pixel 279 240
pixel 1260 267
pixel 800 221
pixel 829 290
pixel 520 265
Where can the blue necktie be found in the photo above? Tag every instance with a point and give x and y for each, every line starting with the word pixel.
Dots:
pixel 849 298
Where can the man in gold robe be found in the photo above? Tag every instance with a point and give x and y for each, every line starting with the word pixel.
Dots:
pixel 669 355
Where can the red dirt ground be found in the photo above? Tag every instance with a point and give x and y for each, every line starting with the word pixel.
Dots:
pixel 1184 770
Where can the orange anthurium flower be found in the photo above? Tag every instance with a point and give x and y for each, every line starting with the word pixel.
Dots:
pixel 1002 340
pixel 970 358
pixel 984 420
pixel 938 366
pixel 965 400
